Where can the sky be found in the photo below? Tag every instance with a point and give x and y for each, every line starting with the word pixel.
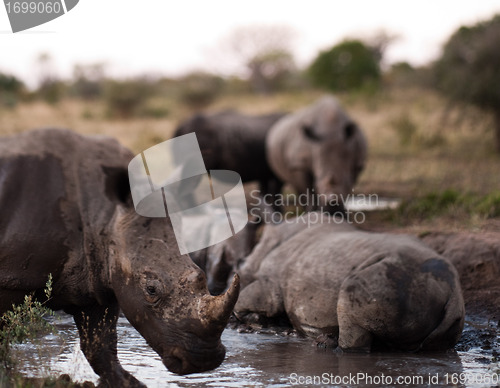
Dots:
pixel 170 38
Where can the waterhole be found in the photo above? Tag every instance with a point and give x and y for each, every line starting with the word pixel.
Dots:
pixel 271 360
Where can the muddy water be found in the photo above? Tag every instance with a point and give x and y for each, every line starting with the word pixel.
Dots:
pixel 270 360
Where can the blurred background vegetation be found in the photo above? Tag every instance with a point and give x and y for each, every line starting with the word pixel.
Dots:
pixel 433 131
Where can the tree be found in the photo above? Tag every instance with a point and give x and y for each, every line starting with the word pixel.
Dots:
pixel 350 65
pixel 199 89
pixel 124 98
pixel 88 81
pixel 265 52
pixel 51 88
pixel 11 89
pixel 469 68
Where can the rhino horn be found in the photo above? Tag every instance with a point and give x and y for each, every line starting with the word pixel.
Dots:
pixel 217 309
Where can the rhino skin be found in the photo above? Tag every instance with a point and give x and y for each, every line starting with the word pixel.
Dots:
pixel 66 211
pixel 230 140
pixel 320 151
pixel 353 289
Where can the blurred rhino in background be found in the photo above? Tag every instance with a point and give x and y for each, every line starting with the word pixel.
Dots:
pixel 230 140
pixel 320 151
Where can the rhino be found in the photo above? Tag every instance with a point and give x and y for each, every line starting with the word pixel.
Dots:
pixel 230 140
pixel 67 211
pixel 352 289
pixel 320 151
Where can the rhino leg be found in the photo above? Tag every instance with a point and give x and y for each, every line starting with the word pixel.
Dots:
pixel 353 303
pixel 97 329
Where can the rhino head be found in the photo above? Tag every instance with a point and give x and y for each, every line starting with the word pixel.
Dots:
pixel 164 294
pixel 337 152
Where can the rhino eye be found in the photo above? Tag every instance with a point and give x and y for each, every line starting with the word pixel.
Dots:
pixel 310 133
pixel 349 130
pixel 151 290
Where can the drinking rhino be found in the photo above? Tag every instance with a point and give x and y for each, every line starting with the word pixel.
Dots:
pixel 352 288
pixel 66 211
pixel 320 151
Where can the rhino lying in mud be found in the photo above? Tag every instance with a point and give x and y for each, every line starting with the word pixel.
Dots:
pixel 319 151
pixel 233 141
pixel 364 289
pixel 66 211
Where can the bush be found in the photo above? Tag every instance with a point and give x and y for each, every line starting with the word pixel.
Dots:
pixel 11 90
pixel 199 89
pixel 88 81
pixel 24 323
pixel 51 91
pixel 468 69
pixel 125 98
pixel 405 128
pixel 350 65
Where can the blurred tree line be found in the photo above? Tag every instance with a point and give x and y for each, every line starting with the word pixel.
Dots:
pixel 468 71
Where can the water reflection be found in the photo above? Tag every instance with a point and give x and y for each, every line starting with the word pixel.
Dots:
pixel 256 360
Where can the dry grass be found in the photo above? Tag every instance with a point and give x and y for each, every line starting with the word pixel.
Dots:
pixel 417 143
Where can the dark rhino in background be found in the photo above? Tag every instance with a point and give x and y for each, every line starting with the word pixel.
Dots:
pixel 233 141
pixel 66 211
pixel 352 288
pixel 319 151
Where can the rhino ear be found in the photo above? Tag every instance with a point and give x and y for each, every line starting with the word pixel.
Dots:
pixel 309 133
pixel 349 130
pixel 116 184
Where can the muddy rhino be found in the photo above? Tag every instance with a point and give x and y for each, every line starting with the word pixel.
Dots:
pixel 66 211
pixel 320 151
pixel 354 289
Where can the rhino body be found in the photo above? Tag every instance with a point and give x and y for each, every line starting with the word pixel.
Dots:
pixel 362 289
pixel 233 141
pixel 320 152
pixel 66 211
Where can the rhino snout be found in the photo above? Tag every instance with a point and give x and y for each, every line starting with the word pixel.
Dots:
pixel 204 350
pixel 198 358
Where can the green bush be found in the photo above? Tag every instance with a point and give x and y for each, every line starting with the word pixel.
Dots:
pixel 198 89
pixel 468 69
pixel 124 99
pixel 350 65
pixel 25 322
pixel 405 129
pixel 11 90
pixel 52 91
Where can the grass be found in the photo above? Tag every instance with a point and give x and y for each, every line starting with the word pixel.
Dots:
pixel 418 143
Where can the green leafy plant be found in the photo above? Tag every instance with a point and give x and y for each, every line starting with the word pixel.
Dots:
pixel 125 98
pixel 25 322
pixel 350 65
pixel 468 68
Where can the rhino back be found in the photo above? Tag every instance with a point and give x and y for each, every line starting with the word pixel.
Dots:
pixel 55 208
pixel 234 141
